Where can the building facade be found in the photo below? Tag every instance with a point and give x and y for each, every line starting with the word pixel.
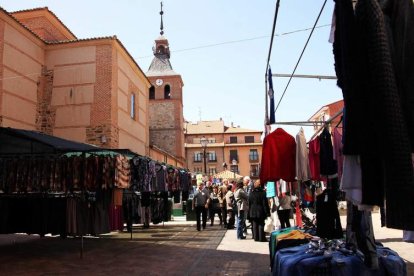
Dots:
pixel 325 113
pixel 232 148
pixel 86 90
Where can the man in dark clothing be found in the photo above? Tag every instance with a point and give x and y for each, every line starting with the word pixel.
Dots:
pixel 200 204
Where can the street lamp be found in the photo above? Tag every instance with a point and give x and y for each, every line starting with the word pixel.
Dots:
pixel 204 142
pixel 234 163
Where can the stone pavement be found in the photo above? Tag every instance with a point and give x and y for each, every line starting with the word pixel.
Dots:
pixel 175 248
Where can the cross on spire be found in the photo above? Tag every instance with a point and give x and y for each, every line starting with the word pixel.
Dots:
pixel 162 25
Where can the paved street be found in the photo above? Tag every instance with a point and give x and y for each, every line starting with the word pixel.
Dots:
pixel 173 249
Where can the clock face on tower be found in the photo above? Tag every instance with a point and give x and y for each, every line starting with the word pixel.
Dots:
pixel 159 82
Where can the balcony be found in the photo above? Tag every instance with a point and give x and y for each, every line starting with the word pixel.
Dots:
pixel 234 157
pixel 253 159
pixel 254 174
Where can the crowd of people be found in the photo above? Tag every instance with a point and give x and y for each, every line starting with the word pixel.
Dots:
pixel 234 202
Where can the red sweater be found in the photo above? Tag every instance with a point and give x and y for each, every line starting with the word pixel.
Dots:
pixel 278 157
pixel 314 158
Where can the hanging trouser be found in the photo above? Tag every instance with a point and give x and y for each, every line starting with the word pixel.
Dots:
pixel 361 231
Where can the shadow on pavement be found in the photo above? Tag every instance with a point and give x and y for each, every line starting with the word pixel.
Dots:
pixel 187 253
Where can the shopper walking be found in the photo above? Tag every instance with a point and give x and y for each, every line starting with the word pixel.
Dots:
pixel 230 204
pixel 284 210
pixel 222 191
pixel 201 201
pixel 215 206
pixel 258 211
pixel 242 208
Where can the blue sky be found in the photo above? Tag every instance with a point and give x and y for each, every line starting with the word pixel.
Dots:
pixel 220 48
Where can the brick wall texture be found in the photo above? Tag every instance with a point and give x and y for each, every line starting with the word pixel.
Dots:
pixel 42 28
pixel 102 123
pixel 1 65
pixel 46 114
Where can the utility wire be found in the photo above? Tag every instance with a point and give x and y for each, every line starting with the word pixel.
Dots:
pixel 193 48
pixel 300 57
pixel 240 40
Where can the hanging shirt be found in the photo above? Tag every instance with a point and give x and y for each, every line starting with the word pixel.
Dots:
pixel 278 157
pixel 302 157
pixel 314 159
pixel 161 177
pixel 338 155
pixel 328 164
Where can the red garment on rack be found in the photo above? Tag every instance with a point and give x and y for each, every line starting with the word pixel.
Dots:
pixel 278 157
pixel 314 159
pixel 299 222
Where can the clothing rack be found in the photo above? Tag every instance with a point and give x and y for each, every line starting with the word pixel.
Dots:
pixel 326 123
pixel 300 123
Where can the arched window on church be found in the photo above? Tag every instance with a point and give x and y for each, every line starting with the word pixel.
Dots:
pixel 152 92
pixel 167 92
pixel 161 50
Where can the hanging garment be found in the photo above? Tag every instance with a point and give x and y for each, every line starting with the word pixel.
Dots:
pixel 366 68
pixel 152 175
pixel 123 172
pixel 360 233
pixel 314 159
pixel 278 157
pixel 337 147
pixel 302 157
pixel 161 177
pixel 328 223
pixel 328 165
pixel 351 182
pixel 399 21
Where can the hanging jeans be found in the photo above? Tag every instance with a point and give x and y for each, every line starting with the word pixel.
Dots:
pixel 241 224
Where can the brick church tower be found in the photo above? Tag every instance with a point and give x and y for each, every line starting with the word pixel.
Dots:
pixel 166 119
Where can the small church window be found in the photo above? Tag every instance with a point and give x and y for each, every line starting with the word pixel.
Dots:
pixel 132 106
pixel 152 92
pixel 167 92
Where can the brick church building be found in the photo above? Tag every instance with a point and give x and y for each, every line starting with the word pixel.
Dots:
pixel 87 90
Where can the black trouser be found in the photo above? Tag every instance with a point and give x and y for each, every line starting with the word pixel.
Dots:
pixel 213 212
pixel 258 229
pixel 284 216
pixel 201 210
pixel 224 215
pixel 360 233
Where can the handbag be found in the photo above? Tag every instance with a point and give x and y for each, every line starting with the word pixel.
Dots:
pixel 268 227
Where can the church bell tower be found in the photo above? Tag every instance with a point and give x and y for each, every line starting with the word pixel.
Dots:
pixel 166 119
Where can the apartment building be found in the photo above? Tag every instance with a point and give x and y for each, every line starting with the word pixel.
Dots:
pixel 228 147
